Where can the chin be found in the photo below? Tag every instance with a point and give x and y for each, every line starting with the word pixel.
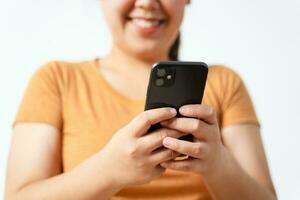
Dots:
pixel 147 50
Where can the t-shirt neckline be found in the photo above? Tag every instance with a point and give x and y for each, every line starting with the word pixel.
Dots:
pixel 95 66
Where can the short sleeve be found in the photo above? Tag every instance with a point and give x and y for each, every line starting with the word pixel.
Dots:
pixel 41 102
pixel 237 107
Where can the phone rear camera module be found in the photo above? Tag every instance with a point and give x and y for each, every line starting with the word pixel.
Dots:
pixel 169 77
pixel 159 82
pixel 161 72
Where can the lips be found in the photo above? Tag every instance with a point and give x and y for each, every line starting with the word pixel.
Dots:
pixel 146 25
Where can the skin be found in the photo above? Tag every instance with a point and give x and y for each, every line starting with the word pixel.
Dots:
pixel 238 162
pixel 34 166
pixel 128 41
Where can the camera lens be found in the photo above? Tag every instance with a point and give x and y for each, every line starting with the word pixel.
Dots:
pixel 161 72
pixel 159 82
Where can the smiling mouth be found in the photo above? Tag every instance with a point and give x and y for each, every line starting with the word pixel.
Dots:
pixel 146 22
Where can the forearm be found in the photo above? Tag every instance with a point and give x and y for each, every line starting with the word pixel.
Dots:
pixel 232 182
pixel 88 181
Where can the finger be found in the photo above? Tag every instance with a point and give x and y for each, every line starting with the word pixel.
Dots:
pixel 162 155
pixel 189 125
pixel 197 150
pixel 158 171
pixel 154 139
pixel 140 124
pixel 189 164
pixel 199 111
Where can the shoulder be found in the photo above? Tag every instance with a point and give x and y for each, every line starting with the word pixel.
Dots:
pixel 218 71
pixel 60 67
pixel 223 83
pixel 222 76
pixel 235 104
pixel 62 71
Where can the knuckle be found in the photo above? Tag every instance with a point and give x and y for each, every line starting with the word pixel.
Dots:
pixel 145 118
pixel 196 125
pixel 163 133
pixel 210 111
pixel 198 149
pixel 132 151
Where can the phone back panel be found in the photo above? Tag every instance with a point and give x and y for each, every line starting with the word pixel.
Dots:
pixel 186 85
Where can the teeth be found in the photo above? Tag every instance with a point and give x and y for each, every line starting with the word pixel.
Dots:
pixel 145 23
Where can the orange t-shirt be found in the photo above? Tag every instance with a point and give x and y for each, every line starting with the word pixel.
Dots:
pixel 75 98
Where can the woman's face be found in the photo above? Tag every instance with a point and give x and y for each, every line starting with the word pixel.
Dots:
pixel 144 28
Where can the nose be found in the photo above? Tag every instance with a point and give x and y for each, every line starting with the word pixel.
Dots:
pixel 147 4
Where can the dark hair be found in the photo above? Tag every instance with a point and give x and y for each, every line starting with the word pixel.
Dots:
pixel 174 50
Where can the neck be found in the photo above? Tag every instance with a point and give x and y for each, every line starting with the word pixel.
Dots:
pixel 122 61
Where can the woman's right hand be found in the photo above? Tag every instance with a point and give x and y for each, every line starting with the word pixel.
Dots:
pixel 132 157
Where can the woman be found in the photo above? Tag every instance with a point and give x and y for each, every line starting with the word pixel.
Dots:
pixel 80 132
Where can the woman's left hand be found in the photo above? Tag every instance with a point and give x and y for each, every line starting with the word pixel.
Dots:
pixel 207 152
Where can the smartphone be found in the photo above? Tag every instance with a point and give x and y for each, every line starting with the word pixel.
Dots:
pixel 174 84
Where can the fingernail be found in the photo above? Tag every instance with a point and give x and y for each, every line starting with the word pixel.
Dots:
pixel 182 109
pixel 167 142
pixel 173 111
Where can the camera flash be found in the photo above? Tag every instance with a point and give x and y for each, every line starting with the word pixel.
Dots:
pixel 169 77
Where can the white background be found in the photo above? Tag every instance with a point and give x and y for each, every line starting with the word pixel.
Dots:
pixel 260 39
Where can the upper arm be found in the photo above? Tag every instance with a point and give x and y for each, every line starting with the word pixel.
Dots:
pixel 245 143
pixel 35 154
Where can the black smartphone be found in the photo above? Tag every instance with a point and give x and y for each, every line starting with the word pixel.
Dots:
pixel 174 84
